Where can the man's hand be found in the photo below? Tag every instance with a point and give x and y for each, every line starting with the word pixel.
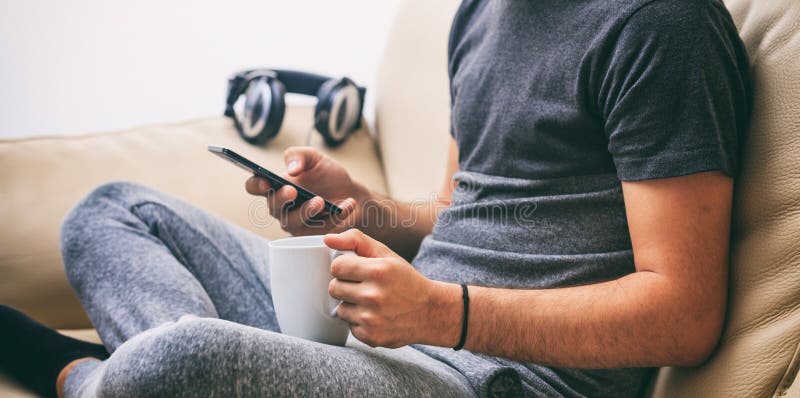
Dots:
pixel 386 301
pixel 400 225
pixel 309 168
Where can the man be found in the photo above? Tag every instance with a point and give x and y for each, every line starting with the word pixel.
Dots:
pixel 616 124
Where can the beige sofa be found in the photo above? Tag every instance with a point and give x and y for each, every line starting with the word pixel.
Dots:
pixel 759 355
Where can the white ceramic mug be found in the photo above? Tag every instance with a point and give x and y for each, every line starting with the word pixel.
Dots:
pixel 300 272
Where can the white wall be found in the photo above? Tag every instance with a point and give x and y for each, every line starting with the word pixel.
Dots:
pixel 94 65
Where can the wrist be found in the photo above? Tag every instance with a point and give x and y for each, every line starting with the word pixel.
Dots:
pixel 361 194
pixel 371 211
pixel 444 318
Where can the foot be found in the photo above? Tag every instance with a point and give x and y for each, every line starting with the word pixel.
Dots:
pixel 33 354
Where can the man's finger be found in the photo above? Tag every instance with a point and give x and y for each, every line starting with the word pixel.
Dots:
pixel 257 186
pixel 350 268
pixel 357 241
pixel 282 198
pixel 311 208
pixel 347 206
pixel 344 290
pixel 302 219
pixel 347 313
pixel 300 158
pixel 300 224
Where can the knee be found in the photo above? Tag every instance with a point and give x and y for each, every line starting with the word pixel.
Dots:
pixel 192 338
pixel 94 205
pixel 92 211
pixel 174 359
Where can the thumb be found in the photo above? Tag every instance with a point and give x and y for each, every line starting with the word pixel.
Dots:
pixel 300 158
pixel 357 241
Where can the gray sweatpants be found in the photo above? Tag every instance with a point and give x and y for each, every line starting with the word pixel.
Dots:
pixel 182 301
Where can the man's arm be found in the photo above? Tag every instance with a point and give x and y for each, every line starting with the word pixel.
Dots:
pixel 404 224
pixel 399 224
pixel 669 312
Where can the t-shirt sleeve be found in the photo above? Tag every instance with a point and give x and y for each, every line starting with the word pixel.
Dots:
pixel 674 91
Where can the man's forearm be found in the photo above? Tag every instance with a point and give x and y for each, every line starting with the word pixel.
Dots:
pixel 637 320
pixel 400 225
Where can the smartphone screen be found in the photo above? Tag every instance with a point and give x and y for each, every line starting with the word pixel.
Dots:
pixel 275 180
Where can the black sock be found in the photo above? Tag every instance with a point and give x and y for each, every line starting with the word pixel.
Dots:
pixel 34 355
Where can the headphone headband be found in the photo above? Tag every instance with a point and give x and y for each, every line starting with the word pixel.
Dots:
pixel 297 82
pixel 301 82
pixel 339 101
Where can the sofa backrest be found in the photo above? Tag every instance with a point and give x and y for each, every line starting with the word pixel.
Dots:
pixel 759 353
pixel 41 178
pixel 412 104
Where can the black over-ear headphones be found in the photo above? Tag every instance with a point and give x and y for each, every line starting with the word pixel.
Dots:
pixel 256 105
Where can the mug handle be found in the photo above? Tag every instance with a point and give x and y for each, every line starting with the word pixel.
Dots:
pixel 334 254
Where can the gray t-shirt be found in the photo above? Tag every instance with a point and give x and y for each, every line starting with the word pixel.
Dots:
pixel 553 104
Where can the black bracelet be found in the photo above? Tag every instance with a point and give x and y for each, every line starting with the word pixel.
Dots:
pixel 463 339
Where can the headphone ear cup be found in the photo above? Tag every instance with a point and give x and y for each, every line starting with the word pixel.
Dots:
pixel 258 112
pixel 338 111
pixel 322 112
pixel 277 109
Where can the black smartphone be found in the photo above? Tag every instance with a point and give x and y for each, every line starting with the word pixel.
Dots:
pixel 275 180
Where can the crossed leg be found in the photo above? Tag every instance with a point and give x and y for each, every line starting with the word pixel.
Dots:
pixel 182 301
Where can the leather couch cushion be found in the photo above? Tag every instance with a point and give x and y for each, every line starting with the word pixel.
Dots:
pixel 42 178
pixel 9 389
pixel 758 354
pixel 412 103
